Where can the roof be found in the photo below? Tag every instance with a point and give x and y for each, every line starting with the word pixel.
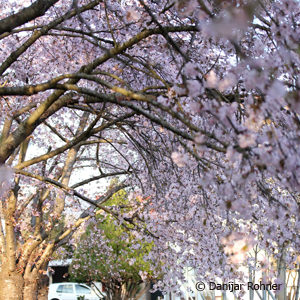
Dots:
pixel 60 262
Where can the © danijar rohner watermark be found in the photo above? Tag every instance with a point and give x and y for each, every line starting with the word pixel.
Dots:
pixel 232 286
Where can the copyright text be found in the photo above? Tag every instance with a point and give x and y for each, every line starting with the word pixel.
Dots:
pixel 231 286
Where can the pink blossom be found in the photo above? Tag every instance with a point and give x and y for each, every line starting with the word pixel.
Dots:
pixel 194 88
pixel 237 245
pixel 6 176
pixel 190 70
pixel 228 82
pixel 195 107
pixel 132 15
pixel 186 7
pixel 233 155
pixel 144 275
pixel 199 138
pixel 180 159
pixel 247 139
pixel 277 90
pixel 212 80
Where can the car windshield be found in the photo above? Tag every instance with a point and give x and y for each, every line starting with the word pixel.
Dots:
pixel 80 289
pixel 65 288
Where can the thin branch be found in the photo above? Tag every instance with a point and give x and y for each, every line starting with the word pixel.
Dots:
pixel 76 185
pixel 87 133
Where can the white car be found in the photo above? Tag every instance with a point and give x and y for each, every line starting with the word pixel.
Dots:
pixel 71 291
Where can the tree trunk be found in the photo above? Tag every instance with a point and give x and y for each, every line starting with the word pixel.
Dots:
pixel 117 294
pixel 30 288
pixel 11 284
pixel 282 276
pixel 43 293
pixel 43 285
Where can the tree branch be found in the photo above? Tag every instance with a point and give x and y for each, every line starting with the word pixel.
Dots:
pixel 35 10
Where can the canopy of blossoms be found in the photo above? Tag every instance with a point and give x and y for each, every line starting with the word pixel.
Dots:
pixel 194 104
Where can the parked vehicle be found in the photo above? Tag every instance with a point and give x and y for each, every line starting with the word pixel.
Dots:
pixel 71 291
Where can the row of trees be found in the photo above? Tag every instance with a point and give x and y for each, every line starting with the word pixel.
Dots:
pixel 193 105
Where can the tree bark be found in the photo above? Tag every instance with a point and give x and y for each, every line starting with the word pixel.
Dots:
pixel 282 276
pixel 27 14
pixel 17 286
pixel 30 289
pixel 43 293
pixel 116 294
pixel 43 286
pixel 14 287
pixel 11 284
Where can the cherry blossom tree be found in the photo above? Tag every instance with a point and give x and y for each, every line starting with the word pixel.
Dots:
pixel 194 104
